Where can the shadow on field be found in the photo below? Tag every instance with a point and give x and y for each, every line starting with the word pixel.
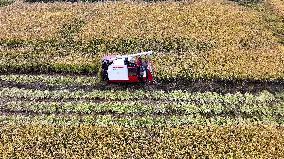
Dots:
pixel 114 114
pixel 224 86
pixel 218 86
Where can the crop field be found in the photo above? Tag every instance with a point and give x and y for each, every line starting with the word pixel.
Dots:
pixel 77 116
pixel 210 39
pixel 219 67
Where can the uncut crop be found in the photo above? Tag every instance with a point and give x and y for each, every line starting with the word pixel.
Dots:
pixel 278 5
pixel 202 39
pixel 101 142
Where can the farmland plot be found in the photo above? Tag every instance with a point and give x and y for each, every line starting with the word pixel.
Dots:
pixel 219 67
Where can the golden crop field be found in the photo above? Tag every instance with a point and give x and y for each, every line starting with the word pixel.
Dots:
pixel 118 142
pixel 278 5
pixel 53 103
pixel 210 39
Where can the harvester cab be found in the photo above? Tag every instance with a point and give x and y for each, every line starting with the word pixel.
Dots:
pixel 128 68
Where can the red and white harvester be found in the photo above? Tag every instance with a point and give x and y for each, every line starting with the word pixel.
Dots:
pixel 128 68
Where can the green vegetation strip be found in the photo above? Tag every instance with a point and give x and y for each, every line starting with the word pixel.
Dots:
pixel 6 2
pixel 136 121
pixel 175 95
pixel 51 79
pixel 141 108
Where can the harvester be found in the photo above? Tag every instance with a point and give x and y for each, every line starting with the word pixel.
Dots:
pixel 132 68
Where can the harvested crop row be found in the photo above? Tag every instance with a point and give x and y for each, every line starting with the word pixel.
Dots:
pixel 210 39
pixel 246 141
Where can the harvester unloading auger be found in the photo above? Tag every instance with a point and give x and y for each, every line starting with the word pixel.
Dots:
pixel 128 68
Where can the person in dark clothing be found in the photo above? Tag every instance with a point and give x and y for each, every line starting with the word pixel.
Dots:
pixel 139 69
pixel 126 62
pixel 105 68
pixel 145 66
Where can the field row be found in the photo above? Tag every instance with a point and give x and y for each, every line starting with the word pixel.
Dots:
pixel 175 95
pixel 136 121
pixel 90 83
pixel 243 141
pixel 145 108
pixel 51 79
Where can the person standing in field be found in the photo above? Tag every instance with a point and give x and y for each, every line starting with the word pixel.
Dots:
pixel 139 69
pixel 145 66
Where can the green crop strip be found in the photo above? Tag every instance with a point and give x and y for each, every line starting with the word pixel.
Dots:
pixel 137 121
pixel 149 108
pixel 210 107
pixel 51 79
pixel 6 2
pixel 176 95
